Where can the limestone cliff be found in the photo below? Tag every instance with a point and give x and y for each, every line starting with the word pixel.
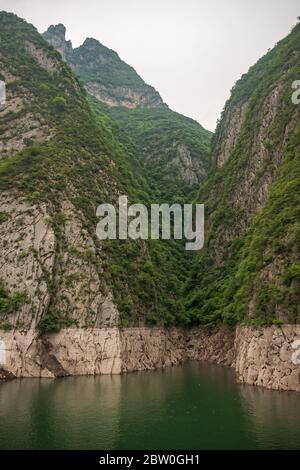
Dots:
pixel 59 161
pixel 259 356
pixel 249 270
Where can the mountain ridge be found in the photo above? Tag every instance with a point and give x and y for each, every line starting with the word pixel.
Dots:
pixel 108 78
pixel 175 149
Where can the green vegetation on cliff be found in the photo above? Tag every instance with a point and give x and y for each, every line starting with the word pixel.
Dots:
pixel 64 148
pixel 249 269
pixel 175 149
pixel 101 67
pixel 106 67
pixel 81 161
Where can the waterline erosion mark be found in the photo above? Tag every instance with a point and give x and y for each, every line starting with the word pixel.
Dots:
pixel 162 221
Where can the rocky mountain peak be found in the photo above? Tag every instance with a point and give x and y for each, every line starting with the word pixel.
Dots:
pixel 56 36
pixel 106 76
pixel 58 29
pixel 91 43
pixel 97 52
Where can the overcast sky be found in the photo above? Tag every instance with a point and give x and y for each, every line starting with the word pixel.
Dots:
pixel 191 51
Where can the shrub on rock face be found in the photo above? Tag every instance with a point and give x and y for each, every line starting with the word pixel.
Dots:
pixel 53 321
pixel 50 323
pixel 10 303
pixel 59 103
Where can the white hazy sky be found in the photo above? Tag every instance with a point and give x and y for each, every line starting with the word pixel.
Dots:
pixel 191 51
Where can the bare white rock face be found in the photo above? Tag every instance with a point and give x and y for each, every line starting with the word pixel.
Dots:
pixel 260 356
pixel 72 351
pixel 266 356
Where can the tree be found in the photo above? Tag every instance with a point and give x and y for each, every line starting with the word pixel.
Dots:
pixel 59 103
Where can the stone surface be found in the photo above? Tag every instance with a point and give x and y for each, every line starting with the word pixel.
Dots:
pixel 72 351
pixel 211 345
pixel 19 126
pixel 260 356
pixel 151 348
pixel 264 357
pixel 27 253
pixel 190 169
pixel 31 258
pixel 56 35
pixel 227 138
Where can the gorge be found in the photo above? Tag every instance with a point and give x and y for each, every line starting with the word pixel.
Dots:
pixel 80 128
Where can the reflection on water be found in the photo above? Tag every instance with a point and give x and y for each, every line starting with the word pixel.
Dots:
pixel 190 407
pixel 266 410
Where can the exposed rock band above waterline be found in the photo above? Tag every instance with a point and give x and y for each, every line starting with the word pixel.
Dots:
pixel 260 356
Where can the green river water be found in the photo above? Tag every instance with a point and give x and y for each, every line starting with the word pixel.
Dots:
pixel 194 406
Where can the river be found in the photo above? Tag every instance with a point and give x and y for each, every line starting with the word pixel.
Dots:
pixel 194 406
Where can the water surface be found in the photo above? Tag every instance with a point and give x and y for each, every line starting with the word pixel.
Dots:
pixel 194 406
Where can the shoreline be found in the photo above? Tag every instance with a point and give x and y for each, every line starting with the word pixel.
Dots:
pixel 260 356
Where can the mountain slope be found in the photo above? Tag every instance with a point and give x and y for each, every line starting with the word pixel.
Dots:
pixel 249 270
pixel 63 153
pixel 106 76
pixel 58 162
pixel 174 149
